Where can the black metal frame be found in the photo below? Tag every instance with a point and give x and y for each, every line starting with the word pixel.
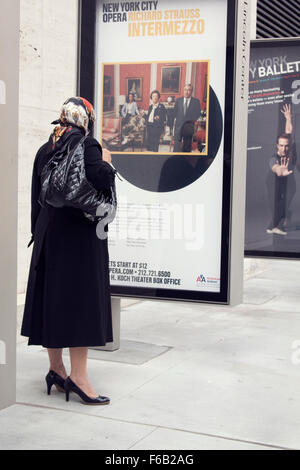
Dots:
pixel 261 43
pixel 86 88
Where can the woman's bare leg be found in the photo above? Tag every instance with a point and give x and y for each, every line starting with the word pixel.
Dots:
pixel 79 371
pixel 56 362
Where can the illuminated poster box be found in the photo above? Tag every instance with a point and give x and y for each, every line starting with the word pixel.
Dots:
pixel 273 178
pixel 169 82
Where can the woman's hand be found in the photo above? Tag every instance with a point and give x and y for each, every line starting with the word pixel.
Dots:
pixel 106 155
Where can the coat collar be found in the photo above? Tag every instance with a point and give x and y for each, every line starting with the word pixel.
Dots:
pixel 158 106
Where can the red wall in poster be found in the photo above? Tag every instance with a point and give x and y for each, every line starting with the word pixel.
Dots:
pixel 142 71
pixel 201 82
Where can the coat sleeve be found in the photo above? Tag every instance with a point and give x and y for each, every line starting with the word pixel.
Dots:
pixel 164 115
pixel 198 112
pixel 98 172
pixel 35 193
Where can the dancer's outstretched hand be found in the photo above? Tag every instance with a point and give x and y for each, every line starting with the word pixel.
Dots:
pixel 283 167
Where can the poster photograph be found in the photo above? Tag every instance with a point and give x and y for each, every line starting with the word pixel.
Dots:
pixel 160 107
pixel 162 83
pixel 273 179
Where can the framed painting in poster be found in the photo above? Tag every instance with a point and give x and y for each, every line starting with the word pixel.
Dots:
pixel 135 86
pixel 170 79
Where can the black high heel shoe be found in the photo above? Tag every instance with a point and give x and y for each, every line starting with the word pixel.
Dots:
pixel 70 386
pixel 52 378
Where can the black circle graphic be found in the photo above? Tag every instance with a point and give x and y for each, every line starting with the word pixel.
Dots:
pixel 162 173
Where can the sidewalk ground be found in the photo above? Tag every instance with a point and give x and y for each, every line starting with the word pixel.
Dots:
pixel 187 376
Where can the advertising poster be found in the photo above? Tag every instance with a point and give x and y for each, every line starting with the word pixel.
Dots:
pixel 273 179
pixel 160 98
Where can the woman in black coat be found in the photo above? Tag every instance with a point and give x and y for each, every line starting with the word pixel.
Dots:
pixel 156 118
pixel 68 294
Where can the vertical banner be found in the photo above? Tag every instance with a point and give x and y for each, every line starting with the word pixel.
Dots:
pixel 164 94
pixel 273 199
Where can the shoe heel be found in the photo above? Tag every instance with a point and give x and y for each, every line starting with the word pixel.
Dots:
pixel 49 386
pixel 67 395
pixel 54 379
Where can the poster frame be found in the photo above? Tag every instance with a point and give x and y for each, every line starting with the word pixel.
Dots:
pixel 259 44
pixel 86 87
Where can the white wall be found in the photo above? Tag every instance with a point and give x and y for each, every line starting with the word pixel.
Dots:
pixel 48 69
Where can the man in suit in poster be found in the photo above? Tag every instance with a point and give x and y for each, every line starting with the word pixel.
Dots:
pixel 187 110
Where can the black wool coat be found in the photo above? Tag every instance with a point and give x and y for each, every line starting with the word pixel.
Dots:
pixel 161 112
pixel 68 300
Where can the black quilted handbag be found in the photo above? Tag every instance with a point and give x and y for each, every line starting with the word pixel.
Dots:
pixel 64 183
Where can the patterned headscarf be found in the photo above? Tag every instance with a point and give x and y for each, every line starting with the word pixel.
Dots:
pixel 77 112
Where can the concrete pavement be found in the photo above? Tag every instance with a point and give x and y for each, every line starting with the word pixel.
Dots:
pixel 187 376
